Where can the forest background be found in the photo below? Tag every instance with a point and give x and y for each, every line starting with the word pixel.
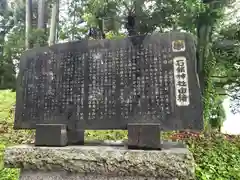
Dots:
pixel 215 24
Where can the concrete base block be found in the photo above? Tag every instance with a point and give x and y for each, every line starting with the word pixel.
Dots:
pixel 62 175
pixel 90 162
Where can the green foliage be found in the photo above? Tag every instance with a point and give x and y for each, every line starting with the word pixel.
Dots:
pixel 106 135
pixel 9 174
pixel 7 73
pixel 216 157
pixel 114 36
pixel 227 53
pixel 1 155
pixel 217 114
pixel 39 37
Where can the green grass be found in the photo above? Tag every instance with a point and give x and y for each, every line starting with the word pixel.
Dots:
pixel 7 101
pixel 216 157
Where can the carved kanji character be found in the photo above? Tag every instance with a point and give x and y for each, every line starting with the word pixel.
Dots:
pixel 182 97
pixel 181 83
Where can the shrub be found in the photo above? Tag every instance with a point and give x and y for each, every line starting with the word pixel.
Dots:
pixel 216 157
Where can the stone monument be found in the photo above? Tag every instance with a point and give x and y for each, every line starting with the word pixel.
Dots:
pixel 144 84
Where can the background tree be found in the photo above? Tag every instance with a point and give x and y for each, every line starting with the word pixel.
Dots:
pixel 28 23
pixel 54 22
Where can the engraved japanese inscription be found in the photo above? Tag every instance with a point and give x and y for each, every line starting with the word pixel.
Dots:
pixel 106 84
pixel 181 81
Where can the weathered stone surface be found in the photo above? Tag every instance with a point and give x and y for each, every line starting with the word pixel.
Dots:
pixel 104 161
pixel 86 83
pixel 63 175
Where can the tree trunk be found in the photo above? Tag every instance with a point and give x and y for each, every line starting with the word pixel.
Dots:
pixel 41 39
pixel 28 43
pixel 41 14
pixel 54 22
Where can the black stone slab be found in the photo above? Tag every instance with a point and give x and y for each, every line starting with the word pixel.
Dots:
pixel 144 136
pixel 75 137
pixel 51 135
pixel 107 84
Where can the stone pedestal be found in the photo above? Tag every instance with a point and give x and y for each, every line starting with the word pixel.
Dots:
pixel 92 162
